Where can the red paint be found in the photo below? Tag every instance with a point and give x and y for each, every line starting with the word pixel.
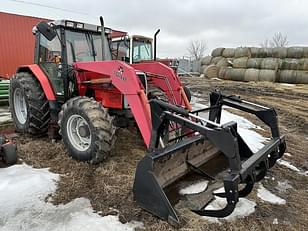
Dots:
pixel 165 78
pixel 118 34
pixel 124 78
pixel 16 42
pixel 42 78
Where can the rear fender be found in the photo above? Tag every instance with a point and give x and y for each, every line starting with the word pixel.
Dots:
pixel 41 77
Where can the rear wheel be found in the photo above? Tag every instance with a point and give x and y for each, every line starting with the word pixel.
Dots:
pixel 28 104
pixel 87 129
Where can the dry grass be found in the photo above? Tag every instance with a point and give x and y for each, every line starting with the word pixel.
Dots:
pixel 109 185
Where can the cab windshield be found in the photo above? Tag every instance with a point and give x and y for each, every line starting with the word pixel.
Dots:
pixel 142 50
pixel 85 46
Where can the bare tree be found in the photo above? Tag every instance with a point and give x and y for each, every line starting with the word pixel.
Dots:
pixel 265 43
pixel 278 40
pixel 197 49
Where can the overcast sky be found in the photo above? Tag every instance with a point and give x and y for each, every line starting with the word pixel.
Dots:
pixel 223 23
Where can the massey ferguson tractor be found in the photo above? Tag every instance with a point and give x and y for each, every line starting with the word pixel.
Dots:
pixel 75 91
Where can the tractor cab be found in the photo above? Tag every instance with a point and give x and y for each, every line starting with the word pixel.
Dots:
pixel 64 43
pixel 132 49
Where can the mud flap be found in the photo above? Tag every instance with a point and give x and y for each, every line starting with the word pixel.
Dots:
pixel 205 139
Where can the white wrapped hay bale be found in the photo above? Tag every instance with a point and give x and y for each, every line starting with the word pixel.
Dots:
pixel 217 51
pixel 224 73
pixel 265 52
pixel 211 71
pixel 289 64
pixel 235 74
pixel 295 77
pixel 215 60
pixel 280 52
pixel 295 52
pixel 287 76
pixel 254 63
pixel 302 64
pixel 270 64
pixel 228 53
pixel 301 77
pixel 223 63
pixel 254 52
pixel 242 52
pixel 305 52
pixel 268 75
pixel 206 60
pixel 240 62
pixel 252 74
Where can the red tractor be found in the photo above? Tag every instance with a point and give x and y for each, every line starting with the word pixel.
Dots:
pixel 74 89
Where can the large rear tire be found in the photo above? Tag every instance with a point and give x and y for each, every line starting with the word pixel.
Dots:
pixel 28 104
pixel 87 129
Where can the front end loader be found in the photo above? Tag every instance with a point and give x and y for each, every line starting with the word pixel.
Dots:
pixel 74 91
pixel 205 139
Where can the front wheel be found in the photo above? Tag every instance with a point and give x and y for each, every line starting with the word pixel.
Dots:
pixel 87 129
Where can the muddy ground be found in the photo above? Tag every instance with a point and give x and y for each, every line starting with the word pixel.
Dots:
pixel 109 185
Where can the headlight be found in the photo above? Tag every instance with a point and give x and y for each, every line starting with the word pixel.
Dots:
pixel 69 24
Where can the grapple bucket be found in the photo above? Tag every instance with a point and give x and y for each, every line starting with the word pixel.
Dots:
pixel 201 141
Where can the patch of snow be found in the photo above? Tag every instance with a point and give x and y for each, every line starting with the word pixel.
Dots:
pixel 288 84
pixel 283 186
pixel 216 79
pixel 195 188
pixel 287 154
pixel 275 221
pixel 292 167
pixel 22 206
pixel 288 165
pixel 5 115
pixel 304 173
pixel 245 127
pixel 220 190
pixel 243 208
pixel 254 140
pixel 266 195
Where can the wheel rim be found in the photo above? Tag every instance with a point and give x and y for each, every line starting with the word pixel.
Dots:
pixel 20 106
pixel 78 132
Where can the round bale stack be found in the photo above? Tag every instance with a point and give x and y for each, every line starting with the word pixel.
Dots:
pixel 279 64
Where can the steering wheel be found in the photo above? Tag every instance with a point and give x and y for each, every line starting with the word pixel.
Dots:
pixel 137 57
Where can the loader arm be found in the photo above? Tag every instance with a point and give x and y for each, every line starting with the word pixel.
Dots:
pixel 165 78
pixel 124 78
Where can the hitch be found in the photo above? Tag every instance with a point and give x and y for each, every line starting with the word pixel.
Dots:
pixel 204 139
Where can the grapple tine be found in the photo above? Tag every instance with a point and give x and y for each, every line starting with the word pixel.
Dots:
pixel 246 190
pixel 220 213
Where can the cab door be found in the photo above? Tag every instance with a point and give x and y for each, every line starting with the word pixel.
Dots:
pixel 49 59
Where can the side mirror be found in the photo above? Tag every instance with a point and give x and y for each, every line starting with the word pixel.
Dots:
pixel 46 30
